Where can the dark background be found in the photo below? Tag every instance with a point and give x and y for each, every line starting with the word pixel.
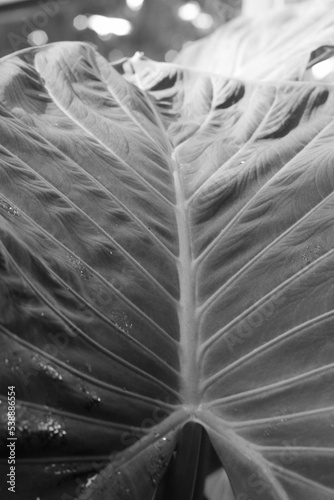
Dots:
pixel 157 29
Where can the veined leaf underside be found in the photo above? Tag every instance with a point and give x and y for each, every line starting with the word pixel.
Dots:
pixel 166 257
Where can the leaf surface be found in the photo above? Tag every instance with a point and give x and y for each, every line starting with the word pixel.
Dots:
pixel 166 257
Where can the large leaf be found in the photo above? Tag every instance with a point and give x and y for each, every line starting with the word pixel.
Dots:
pixel 278 45
pixel 166 261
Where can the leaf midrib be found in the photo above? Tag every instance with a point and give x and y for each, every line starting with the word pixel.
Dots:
pixel 187 304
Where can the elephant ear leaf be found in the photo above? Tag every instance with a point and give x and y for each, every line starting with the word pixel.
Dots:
pixel 166 260
pixel 280 45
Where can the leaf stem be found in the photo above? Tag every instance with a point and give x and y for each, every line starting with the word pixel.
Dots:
pixel 185 477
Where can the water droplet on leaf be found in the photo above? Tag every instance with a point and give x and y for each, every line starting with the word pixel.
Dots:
pixel 61 469
pixel 50 371
pixel 122 321
pixel 9 209
pixel 80 267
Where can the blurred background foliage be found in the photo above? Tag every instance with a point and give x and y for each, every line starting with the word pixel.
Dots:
pixel 119 28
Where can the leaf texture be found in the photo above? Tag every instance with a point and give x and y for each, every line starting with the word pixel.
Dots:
pixel 166 257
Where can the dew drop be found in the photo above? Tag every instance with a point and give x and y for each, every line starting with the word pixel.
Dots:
pixel 311 253
pixel 50 468
pixel 52 428
pixel 80 267
pixel 14 362
pixel 85 275
pixel 41 432
pixel 93 399
pixel 50 371
pixel 122 321
pixel 9 209
pixel 61 469
pixel 158 463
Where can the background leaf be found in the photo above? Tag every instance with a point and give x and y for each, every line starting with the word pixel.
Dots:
pixel 279 45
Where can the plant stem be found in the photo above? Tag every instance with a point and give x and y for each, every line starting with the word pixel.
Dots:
pixel 185 477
